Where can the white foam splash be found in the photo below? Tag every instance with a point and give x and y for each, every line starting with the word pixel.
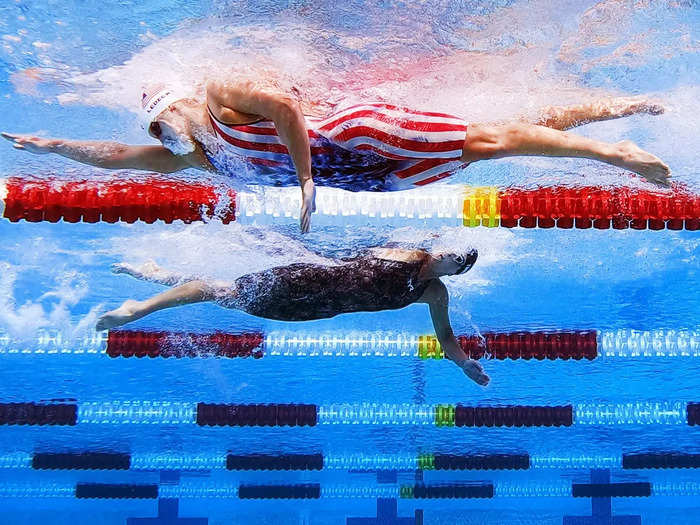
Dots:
pixel 50 310
pixel 325 65
pixel 525 56
pixel 496 247
pixel 214 250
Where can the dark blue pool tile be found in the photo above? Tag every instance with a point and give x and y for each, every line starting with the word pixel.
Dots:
pixel 387 476
pixel 419 517
pixel 611 490
pixel 167 515
pixel 387 515
pixel 169 477
pixel 601 507
pixel 593 520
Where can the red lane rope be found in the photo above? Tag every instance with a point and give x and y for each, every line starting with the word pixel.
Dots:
pixel 37 200
pixel 600 208
pixel 532 345
pixel 129 343
pixel 38 413
pixel 266 415
pixel 514 416
pixel 116 200
pixel 515 345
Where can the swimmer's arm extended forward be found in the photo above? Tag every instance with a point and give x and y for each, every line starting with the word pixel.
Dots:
pixel 103 154
pixel 289 121
pixel 438 299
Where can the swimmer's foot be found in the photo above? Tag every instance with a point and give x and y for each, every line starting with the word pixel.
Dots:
pixel 567 117
pixel 127 312
pixel 146 271
pixel 475 372
pixel 630 156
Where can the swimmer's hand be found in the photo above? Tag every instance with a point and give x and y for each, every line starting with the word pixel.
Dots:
pixel 308 204
pixel 474 371
pixel 30 143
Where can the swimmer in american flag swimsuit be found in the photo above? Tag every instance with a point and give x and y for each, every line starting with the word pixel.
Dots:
pixel 390 148
pixel 260 136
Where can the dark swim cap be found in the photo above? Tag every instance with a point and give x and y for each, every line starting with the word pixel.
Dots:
pixel 466 260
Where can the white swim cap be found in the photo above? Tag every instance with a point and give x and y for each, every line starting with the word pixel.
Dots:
pixel 156 99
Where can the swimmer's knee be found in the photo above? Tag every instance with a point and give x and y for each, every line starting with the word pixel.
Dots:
pixel 204 290
pixel 491 141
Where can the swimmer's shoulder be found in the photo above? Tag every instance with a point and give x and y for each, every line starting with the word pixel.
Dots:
pixel 224 113
pixel 390 252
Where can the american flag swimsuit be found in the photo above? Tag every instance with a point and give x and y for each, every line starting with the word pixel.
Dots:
pixel 367 147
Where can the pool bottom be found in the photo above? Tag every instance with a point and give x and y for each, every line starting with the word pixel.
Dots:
pixel 595 497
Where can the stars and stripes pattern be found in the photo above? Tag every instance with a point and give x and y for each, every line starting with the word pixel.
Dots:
pixel 422 147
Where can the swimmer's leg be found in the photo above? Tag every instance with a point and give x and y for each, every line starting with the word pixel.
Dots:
pixel 153 273
pixel 150 272
pixel 130 310
pixel 194 291
pixel 567 117
pixel 495 141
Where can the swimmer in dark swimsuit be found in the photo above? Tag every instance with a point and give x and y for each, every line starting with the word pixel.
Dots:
pixel 381 279
pixel 262 136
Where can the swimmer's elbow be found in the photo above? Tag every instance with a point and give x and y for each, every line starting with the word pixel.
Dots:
pixel 214 90
pixel 287 103
pixel 115 158
pixel 118 156
pixel 284 109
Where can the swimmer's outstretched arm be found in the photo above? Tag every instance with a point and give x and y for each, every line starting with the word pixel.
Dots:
pixel 103 154
pixel 285 112
pixel 438 299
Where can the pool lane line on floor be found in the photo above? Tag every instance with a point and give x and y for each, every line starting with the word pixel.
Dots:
pixel 349 462
pixel 157 198
pixel 539 345
pixel 446 415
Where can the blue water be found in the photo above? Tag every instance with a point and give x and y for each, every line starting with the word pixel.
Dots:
pixel 74 69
